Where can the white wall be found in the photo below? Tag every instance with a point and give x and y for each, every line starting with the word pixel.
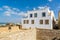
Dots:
pixel 36 20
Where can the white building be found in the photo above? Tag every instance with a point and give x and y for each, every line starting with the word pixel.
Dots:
pixel 41 18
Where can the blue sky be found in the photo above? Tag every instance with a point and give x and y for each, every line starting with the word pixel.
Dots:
pixel 14 10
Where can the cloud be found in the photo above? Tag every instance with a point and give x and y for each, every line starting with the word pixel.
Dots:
pixel 50 0
pixel 8 14
pixel 6 6
pixel 15 9
pixel 34 8
pixel 42 7
pixel 27 7
pixel 1 9
pixel 22 14
pixel 8 11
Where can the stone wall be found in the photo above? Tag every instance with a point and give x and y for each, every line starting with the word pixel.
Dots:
pixel 45 34
pixel 28 34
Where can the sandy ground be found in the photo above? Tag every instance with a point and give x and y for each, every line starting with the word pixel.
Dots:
pixel 5 29
pixel 16 34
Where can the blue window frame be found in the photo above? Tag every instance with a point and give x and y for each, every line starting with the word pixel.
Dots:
pixel 43 14
pixel 30 15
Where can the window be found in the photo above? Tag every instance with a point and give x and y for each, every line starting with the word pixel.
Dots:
pixel 27 21
pixel 24 21
pixel 46 21
pixel 41 21
pixel 43 14
pixel 35 14
pixel 32 21
pixel 30 15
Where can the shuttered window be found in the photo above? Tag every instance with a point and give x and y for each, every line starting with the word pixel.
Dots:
pixel 41 21
pixel 26 22
pixel 46 21
pixel 32 21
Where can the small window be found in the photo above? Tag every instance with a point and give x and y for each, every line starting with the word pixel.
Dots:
pixel 46 21
pixel 32 21
pixel 24 21
pixel 35 14
pixel 27 21
pixel 41 21
pixel 30 15
pixel 43 14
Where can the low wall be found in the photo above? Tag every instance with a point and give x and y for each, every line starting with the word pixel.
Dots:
pixel 45 34
pixel 28 34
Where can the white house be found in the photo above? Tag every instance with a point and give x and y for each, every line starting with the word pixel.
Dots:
pixel 41 18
